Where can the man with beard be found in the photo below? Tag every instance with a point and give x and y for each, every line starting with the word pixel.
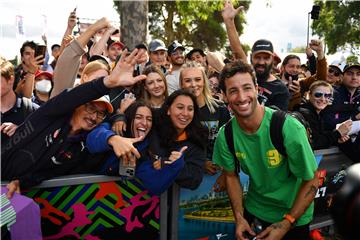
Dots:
pixel 279 200
pixel 177 59
pixel 272 92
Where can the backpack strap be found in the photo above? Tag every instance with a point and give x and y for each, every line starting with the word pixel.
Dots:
pixel 230 142
pixel 26 107
pixel 276 126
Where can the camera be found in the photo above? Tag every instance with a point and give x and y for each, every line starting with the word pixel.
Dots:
pixel 126 170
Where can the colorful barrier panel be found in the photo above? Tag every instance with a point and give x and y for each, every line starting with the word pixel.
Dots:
pixel 96 207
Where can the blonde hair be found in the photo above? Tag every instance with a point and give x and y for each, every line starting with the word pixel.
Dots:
pixel 93 67
pixel 210 101
pixel 320 83
pixel 7 69
pixel 152 69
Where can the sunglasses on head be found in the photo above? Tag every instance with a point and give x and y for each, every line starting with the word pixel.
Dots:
pixel 336 73
pixel 321 94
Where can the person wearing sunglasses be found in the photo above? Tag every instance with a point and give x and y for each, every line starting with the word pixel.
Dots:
pixel 51 141
pixel 334 75
pixel 320 97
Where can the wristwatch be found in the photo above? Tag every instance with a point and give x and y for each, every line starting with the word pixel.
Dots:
pixel 290 218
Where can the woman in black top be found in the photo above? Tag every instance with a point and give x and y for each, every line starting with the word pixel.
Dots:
pixel 319 97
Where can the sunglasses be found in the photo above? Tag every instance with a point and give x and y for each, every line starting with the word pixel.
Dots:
pixel 321 94
pixel 334 72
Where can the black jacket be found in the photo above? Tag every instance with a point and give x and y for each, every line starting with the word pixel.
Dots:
pixel 40 148
pixel 191 174
pixel 321 138
pixel 344 107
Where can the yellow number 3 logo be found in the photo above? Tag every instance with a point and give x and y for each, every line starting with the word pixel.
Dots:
pixel 274 158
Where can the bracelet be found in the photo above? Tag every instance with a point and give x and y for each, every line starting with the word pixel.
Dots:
pixel 291 219
pixel 30 73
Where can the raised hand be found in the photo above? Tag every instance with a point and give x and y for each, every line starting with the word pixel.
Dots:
pixel 72 20
pixel 122 75
pixel 318 47
pixel 229 12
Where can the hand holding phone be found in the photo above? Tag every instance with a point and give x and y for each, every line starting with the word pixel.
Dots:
pixel 127 169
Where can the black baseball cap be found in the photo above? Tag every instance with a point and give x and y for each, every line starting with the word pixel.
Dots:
pixel 347 67
pixel 262 45
pixel 173 46
pixel 141 46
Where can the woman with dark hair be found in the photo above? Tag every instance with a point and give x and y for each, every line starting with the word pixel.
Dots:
pixel 138 127
pixel 213 112
pixel 179 126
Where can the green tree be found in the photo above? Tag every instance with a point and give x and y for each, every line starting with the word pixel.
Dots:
pixel 339 23
pixel 196 22
pixel 301 49
pixel 352 59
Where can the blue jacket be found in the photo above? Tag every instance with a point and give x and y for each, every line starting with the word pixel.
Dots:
pixel 156 181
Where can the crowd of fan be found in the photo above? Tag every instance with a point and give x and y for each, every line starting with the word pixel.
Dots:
pixel 156 107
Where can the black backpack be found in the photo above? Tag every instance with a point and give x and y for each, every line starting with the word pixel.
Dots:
pixel 276 126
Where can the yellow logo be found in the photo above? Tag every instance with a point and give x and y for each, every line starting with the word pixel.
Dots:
pixel 274 158
pixel 241 155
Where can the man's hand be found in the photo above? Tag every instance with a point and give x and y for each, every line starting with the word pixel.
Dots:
pixel 229 12
pixel 220 184
pixel 119 127
pixel 72 20
pixel 318 47
pixel 308 51
pixel 102 23
pixel 13 186
pixel 242 226
pixel 31 65
pixel 122 75
pixel 294 86
pixel 275 231
pixel 8 128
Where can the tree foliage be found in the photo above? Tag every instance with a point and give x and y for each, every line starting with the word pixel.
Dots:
pixel 339 23
pixel 195 23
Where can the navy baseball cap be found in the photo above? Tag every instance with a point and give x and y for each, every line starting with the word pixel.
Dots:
pixel 262 45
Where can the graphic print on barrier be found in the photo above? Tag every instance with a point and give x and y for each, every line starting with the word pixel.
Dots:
pixel 109 210
pixel 205 214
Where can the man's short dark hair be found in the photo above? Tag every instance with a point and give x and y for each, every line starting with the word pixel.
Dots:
pixel 54 46
pixel 30 44
pixel 233 68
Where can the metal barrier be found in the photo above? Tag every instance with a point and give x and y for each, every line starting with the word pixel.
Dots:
pixel 85 206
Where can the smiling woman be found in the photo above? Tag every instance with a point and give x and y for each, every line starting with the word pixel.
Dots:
pixel 320 97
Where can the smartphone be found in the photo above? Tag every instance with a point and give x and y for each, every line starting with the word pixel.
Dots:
pixel 126 170
pixel 40 50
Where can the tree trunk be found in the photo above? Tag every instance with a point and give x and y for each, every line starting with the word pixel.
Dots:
pixel 133 20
